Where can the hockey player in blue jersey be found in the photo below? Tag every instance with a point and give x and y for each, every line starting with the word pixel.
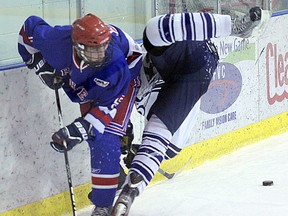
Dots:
pixel 183 60
pixel 97 65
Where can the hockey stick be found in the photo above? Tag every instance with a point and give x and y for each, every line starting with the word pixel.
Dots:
pixel 166 174
pixel 172 175
pixel 60 116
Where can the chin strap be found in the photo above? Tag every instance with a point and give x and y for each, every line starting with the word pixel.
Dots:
pixel 81 65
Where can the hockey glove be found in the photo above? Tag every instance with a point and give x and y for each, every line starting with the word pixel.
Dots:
pixel 73 134
pixel 46 72
pixel 131 154
pixel 126 140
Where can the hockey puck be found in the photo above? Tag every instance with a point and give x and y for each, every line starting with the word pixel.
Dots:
pixel 267 183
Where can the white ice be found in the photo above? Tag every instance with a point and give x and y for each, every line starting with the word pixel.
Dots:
pixel 229 186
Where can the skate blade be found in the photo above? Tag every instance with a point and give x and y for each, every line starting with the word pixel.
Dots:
pixel 120 210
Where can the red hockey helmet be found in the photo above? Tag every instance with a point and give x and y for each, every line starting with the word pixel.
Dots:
pixel 91 36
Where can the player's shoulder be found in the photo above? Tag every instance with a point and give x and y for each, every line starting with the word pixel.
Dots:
pixel 114 30
pixel 35 19
pixel 118 34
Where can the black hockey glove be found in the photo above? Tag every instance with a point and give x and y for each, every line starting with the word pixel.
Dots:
pixel 73 134
pixel 46 72
pixel 255 14
pixel 126 140
pixel 131 154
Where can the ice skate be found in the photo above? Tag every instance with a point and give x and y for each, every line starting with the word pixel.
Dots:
pixel 127 195
pixel 242 26
pixel 102 211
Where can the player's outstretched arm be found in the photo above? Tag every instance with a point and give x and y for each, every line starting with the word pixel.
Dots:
pixel 166 29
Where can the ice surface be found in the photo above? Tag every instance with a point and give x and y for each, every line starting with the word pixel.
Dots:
pixel 229 186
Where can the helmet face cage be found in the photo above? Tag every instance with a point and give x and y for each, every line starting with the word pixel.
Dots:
pixel 95 56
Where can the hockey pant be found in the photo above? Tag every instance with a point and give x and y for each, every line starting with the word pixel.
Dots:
pixel 162 145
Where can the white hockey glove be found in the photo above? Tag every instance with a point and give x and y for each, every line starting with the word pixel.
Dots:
pixel 46 72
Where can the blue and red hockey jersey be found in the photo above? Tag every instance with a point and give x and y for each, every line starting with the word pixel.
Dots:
pixel 105 86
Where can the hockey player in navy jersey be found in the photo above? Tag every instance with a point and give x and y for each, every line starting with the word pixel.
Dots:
pixel 97 65
pixel 183 60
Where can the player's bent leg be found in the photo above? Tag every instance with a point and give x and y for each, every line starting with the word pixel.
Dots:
pixel 105 157
pixel 155 141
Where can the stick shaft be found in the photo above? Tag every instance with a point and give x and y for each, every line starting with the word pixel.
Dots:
pixel 67 165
